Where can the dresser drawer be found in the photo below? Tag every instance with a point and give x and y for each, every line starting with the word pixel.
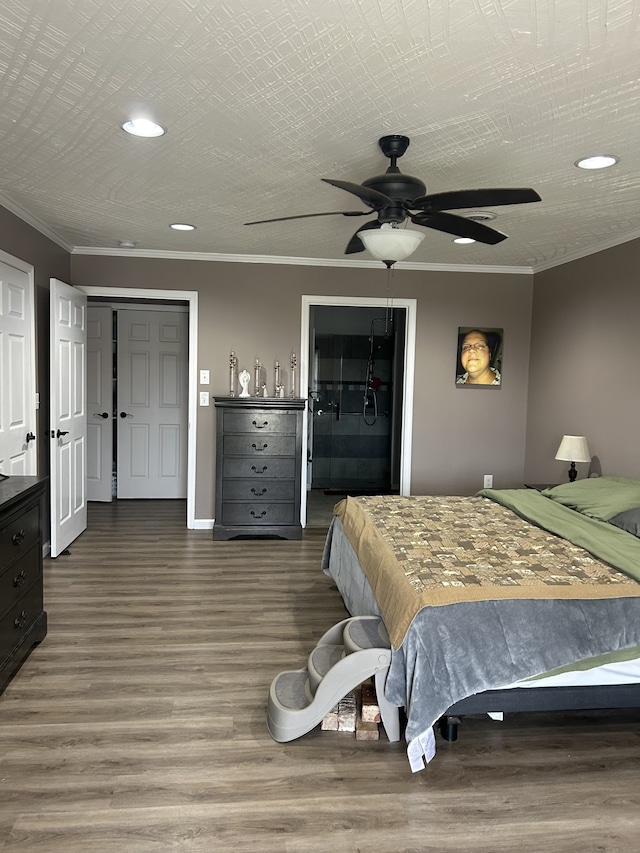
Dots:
pixel 16 579
pixel 258 490
pixel 282 467
pixel 17 621
pixel 258 446
pixel 260 423
pixel 18 535
pixel 256 514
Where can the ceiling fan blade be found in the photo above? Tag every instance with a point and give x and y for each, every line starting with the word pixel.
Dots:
pixel 309 215
pixel 460 226
pixel 369 196
pixel 456 199
pixel 355 243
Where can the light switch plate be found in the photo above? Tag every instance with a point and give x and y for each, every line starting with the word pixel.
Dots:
pixel 204 398
pixel 204 377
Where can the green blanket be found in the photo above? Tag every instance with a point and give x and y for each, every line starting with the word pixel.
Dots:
pixel 599 538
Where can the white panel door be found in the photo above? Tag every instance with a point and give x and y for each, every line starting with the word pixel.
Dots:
pixel 68 414
pixel 152 410
pixel 99 402
pixel 18 454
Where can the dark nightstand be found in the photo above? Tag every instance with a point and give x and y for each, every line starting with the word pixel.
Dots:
pixel 540 486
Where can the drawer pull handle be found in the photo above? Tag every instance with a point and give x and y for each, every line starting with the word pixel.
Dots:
pixel 262 514
pixel 260 449
pixel 260 426
pixel 19 580
pixel 21 620
pixel 18 538
pixel 258 494
pixel 264 468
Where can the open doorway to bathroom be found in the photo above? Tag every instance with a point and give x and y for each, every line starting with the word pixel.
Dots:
pixel 360 364
pixel 355 405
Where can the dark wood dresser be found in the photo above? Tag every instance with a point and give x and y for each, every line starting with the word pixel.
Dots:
pixel 23 622
pixel 258 467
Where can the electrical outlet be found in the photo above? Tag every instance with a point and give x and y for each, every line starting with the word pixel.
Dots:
pixel 488 481
pixel 204 398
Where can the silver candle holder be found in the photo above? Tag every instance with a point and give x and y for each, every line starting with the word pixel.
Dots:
pixel 294 367
pixel 257 369
pixel 276 381
pixel 233 373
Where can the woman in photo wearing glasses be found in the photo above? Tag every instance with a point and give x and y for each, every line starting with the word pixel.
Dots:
pixel 476 353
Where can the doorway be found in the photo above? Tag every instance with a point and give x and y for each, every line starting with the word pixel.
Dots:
pixel 170 297
pixel 355 401
pixel 357 363
pixel 137 380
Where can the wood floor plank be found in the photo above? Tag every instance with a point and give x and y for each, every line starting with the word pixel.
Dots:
pixel 139 724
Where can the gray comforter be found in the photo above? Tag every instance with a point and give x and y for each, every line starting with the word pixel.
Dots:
pixel 455 650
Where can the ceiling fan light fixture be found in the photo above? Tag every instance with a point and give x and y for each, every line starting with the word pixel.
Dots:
pixel 143 127
pixel 391 244
pixel 597 161
pixel 463 241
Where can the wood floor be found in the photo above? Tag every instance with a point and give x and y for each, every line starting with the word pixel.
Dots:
pixel 138 725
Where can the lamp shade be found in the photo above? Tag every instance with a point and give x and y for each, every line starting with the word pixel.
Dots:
pixel 573 448
pixel 391 244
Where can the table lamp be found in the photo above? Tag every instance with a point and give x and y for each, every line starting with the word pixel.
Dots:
pixel 573 448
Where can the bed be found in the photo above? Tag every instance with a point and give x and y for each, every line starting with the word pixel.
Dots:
pixel 508 600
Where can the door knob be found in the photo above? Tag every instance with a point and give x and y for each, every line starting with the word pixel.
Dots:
pixel 125 415
pixel 30 437
pixel 101 415
pixel 61 432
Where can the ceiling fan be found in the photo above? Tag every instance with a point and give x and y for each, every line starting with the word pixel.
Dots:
pixel 396 197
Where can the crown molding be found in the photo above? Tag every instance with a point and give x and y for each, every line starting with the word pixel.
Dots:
pixel 40 226
pixel 584 253
pixel 301 262
pixel 46 231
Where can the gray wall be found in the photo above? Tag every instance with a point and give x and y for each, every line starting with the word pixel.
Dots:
pixel 570 352
pixel 458 434
pixel 584 377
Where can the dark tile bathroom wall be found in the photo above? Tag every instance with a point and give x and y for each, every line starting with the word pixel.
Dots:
pixel 351 444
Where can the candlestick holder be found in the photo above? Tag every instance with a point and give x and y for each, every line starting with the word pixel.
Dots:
pixel 276 382
pixel 257 369
pixel 294 367
pixel 233 369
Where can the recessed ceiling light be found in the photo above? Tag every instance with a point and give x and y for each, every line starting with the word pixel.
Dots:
pixel 127 244
pixel 464 240
pixel 481 215
pixel 597 161
pixel 143 127
pixel 182 226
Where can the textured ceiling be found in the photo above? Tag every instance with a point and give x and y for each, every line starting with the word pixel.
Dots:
pixel 262 99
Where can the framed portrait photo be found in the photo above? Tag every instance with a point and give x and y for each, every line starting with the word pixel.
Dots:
pixel 479 357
